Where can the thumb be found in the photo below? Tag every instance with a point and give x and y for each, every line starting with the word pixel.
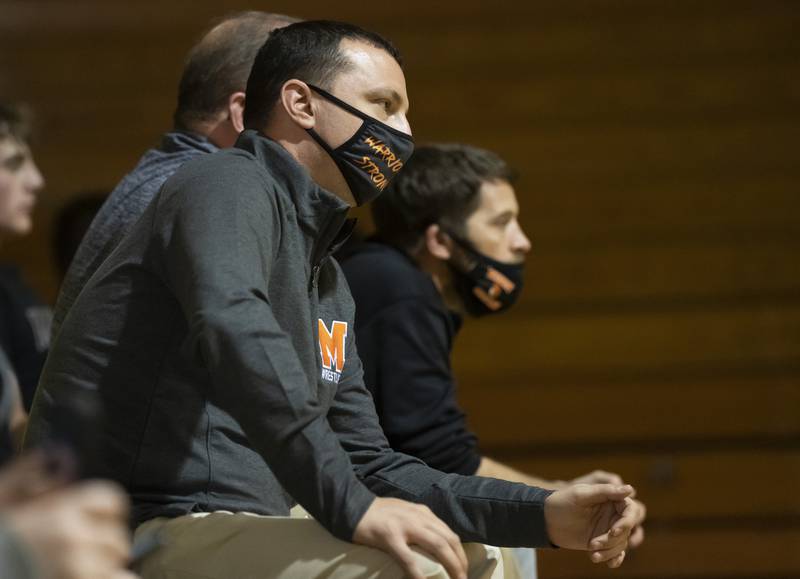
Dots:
pixel 587 495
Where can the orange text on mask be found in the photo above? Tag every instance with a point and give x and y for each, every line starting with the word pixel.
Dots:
pixel 385 153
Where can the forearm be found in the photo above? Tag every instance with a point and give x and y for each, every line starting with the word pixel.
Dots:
pixel 492 468
pixel 477 509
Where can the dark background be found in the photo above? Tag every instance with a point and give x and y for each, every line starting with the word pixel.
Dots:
pixel 659 333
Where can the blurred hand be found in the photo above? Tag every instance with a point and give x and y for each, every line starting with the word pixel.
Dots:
pixel 596 518
pixel 78 532
pixel 393 526
pixel 27 477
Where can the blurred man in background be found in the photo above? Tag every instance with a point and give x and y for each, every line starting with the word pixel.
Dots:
pixel 49 528
pixel 208 117
pixel 24 319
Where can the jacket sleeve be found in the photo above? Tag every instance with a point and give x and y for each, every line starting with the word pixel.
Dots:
pixel 407 348
pixel 478 509
pixel 219 238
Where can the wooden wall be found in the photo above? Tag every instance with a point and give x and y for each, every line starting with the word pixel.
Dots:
pixel 659 334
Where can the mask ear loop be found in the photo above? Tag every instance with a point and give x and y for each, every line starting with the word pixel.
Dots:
pixel 467 259
pixel 318 138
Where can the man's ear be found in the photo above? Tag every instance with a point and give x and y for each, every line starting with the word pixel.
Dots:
pixel 236 111
pixel 295 98
pixel 438 243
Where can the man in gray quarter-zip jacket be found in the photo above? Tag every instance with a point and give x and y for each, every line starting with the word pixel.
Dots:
pixel 219 336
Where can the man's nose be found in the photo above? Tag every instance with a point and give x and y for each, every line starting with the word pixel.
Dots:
pixel 521 242
pixel 400 122
pixel 33 177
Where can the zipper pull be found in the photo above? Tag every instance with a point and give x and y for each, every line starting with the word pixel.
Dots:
pixel 315 276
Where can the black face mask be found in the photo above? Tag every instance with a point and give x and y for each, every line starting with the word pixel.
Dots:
pixel 371 158
pixel 485 285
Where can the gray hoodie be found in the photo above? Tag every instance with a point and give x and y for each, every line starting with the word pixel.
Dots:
pixel 219 335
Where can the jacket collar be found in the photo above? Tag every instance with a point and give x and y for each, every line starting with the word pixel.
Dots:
pixel 178 141
pixel 321 213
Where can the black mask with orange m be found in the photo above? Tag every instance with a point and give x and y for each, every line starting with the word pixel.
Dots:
pixel 484 285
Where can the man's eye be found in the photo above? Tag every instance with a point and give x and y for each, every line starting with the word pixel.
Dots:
pixel 13 163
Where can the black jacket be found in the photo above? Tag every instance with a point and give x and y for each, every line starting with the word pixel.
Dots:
pixel 404 334
pixel 24 330
pixel 201 332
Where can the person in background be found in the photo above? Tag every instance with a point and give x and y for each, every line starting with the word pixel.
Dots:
pixel 208 117
pixel 448 246
pixel 24 318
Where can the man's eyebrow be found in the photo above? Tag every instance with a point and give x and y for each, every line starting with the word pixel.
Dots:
pixel 506 213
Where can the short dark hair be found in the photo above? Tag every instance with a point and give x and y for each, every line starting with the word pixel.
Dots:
pixel 308 51
pixel 15 122
pixel 440 184
pixel 220 63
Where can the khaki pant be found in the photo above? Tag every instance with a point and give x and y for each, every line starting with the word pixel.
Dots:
pixel 225 545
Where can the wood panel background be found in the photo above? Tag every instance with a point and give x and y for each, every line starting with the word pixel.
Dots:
pixel 659 333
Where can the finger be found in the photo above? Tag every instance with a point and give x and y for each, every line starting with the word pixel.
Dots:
pixel 642 510
pixel 118 542
pixel 588 495
pixel 454 540
pixel 440 549
pixel 607 541
pixel 107 544
pixel 602 476
pixel 607 554
pixel 637 537
pixel 616 561
pixel 26 477
pixel 628 519
pixel 405 558
pixel 454 543
pixel 101 499
pixel 637 509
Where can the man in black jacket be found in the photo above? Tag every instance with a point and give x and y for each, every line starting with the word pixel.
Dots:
pixel 448 245
pixel 219 336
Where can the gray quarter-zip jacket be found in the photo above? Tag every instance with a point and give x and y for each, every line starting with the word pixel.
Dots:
pixel 219 335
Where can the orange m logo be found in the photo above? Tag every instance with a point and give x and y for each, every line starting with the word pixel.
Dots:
pixel 500 284
pixel 331 345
